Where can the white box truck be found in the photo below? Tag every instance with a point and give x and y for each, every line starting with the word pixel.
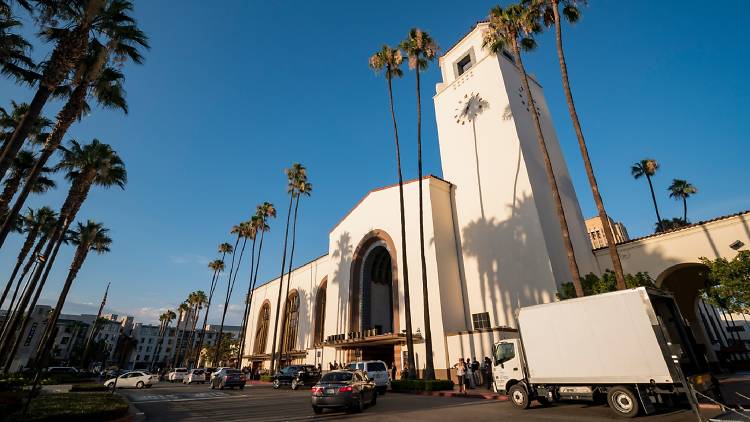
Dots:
pixel 630 346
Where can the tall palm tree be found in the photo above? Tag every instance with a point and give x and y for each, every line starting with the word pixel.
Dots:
pixel 294 174
pixel 22 165
pixel 243 231
pixel 91 236
pixel 421 49
pixel 550 11
pixel 681 190
pixel 198 300
pixel 217 266
pixel 263 213
pixel 303 188
pixel 93 76
pixel 76 20
pixel 165 319
pixel 648 167
pixel 513 27
pixel 35 223
pixel 14 49
pixel 180 333
pixel 9 120
pixel 94 164
pixel 388 60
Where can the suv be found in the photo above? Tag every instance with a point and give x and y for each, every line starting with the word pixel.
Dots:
pixel 177 374
pixel 296 376
pixel 377 371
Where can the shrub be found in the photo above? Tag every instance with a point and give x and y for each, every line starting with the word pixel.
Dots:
pixel 88 388
pixel 266 378
pixel 78 407
pixel 13 383
pixel 63 379
pixel 421 385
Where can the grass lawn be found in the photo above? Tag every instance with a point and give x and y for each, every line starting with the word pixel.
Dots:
pixel 79 407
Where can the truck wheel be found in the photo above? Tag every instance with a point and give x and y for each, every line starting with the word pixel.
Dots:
pixel 519 397
pixel 623 401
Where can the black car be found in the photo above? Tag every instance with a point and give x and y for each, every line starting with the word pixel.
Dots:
pixel 229 377
pixel 350 390
pixel 296 376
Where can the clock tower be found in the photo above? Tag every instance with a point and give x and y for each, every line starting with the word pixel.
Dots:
pixel 511 252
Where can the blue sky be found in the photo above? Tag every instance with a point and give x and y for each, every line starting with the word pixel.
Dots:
pixel 230 96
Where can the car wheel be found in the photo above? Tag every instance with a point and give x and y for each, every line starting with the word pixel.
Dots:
pixel 295 385
pixel 357 406
pixel 623 401
pixel 139 385
pixel 276 384
pixel 110 384
pixel 519 397
pixel 317 410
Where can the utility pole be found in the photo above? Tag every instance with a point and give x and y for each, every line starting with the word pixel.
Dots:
pixel 93 327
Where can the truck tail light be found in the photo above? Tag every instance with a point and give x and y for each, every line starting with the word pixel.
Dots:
pixel 347 389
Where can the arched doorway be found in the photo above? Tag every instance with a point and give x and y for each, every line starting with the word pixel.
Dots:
pixel 320 313
pixel 373 301
pixel 261 330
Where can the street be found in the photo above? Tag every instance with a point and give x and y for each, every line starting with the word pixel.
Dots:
pixel 177 402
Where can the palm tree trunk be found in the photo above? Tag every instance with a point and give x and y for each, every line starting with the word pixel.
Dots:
pixel 27 244
pixel 281 284
pixel 407 299
pixel 11 187
pixel 230 289
pixel 684 209
pixel 214 282
pixel 177 340
pixel 607 227
pixel 255 278
pixel 32 263
pixel 247 306
pixel 289 273
pixel 656 208
pixel 572 264
pixel 430 367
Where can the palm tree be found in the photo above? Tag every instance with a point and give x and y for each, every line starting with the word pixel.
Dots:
pixel 93 77
pixel 86 166
pixel 178 340
pixel 294 174
pixel 263 213
pixel 668 224
pixel 513 27
pixel 648 167
pixel 91 236
pixel 303 188
pixel 389 60
pixel 10 120
pixel 197 299
pixel 22 165
pixel 682 189
pixel 551 15
pixel 217 266
pixel 14 49
pixel 36 223
pixel 421 49
pixel 165 319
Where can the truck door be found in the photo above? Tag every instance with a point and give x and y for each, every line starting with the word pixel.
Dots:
pixel 507 364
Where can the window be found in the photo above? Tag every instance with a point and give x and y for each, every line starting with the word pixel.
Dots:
pixel 138 357
pixel 504 352
pixel 291 320
pixel 261 332
pixel 320 313
pixel 464 64
pixel 735 329
pixel 32 330
pixel 481 320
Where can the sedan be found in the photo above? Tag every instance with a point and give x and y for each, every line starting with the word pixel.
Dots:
pixel 350 390
pixel 135 379
pixel 229 377
pixel 195 375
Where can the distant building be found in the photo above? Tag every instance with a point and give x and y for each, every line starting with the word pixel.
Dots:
pixel 595 229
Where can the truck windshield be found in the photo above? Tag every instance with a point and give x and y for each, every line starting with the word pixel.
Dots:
pixel 504 352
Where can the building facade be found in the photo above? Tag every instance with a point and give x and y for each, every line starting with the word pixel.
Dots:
pixel 595 229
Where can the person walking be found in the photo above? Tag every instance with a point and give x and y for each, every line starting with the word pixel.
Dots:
pixel 393 371
pixel 477 373
pixel 487 366
pixel 460 374
pixel 469 374
pixel 405 371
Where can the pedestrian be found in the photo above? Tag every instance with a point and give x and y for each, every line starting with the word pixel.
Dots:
pixel 487 367
pixel 470 374
pixel 320 368
pixel 475 370
pixel 330 366
pixel 393 371
pixel 460 374
pixel 335 365
pixel 405 371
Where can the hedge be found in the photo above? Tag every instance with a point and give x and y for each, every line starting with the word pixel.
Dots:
pixel 88 388
pixel 421 385
pixel 78 407
pixel 266 378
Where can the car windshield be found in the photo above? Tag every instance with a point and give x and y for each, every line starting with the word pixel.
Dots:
pixel 376 366
pixel 337 377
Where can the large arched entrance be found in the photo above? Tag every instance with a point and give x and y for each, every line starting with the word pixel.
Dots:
pixel 374 295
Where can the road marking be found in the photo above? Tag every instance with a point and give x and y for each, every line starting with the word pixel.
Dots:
pixel 160 400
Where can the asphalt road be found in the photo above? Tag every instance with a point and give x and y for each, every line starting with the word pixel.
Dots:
pixel 177 402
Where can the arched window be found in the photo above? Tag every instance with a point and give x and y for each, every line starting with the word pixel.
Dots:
pixel 320 313
pixel 261 332
pixel 291 321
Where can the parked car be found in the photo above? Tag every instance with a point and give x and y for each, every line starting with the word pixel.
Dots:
pixel 377 371
pixel 296 376
pixel 60 370
pixel 137 379
pixel 195 375
pixel 344 389
pixel 177 374
pixel 228 377
pixel 215 371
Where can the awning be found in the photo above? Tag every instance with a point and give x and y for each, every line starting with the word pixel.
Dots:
pixel 379 340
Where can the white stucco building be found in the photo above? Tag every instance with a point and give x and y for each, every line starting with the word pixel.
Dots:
pixel 493 242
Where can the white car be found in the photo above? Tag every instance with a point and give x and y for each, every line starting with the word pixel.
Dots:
pixel 195 375
pixel 177 374
pixel 135 379
pixel 217 370
pixel 377 371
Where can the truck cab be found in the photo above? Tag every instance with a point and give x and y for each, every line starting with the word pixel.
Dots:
pixel 507 368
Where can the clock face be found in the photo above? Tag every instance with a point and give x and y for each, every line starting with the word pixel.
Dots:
pixel 469 107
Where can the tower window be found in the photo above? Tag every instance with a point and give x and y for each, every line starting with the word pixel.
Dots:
pixel 464 64
pixel 481 320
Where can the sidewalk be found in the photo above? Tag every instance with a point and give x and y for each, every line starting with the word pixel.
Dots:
pixel 733 387
pixel 473 393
